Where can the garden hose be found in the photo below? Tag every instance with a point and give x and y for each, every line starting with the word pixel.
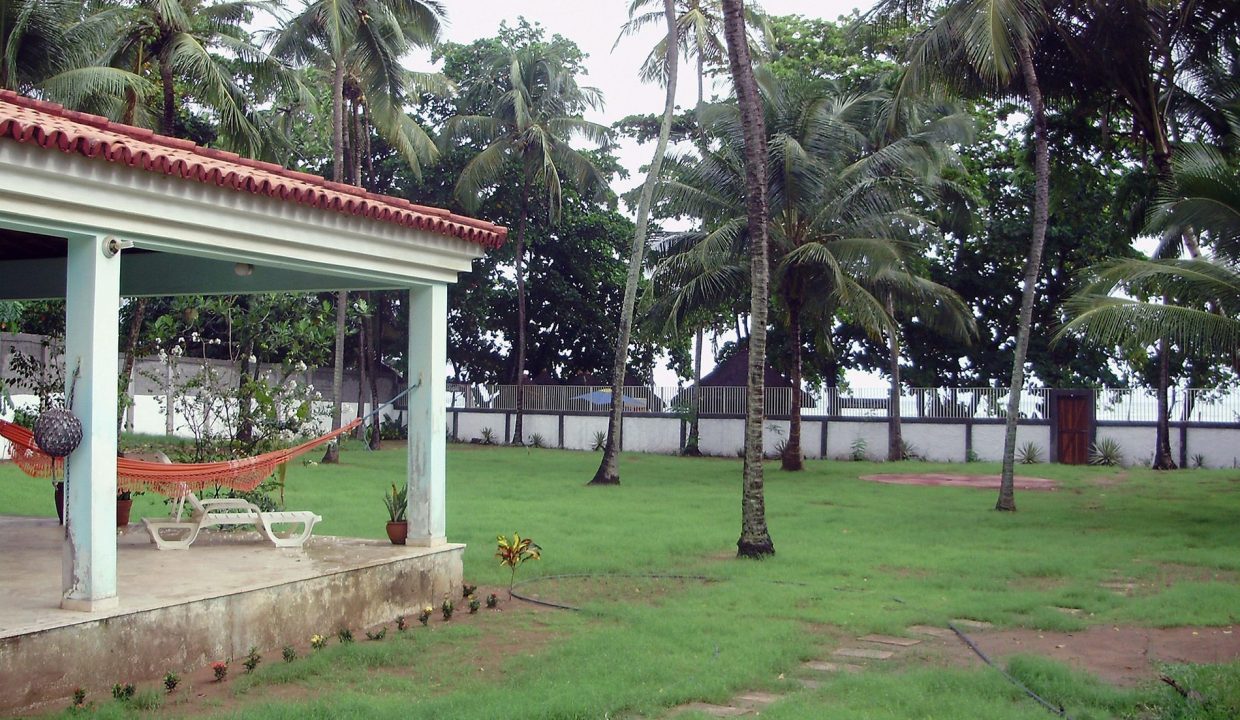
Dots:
pixel 561 606
pixel 1057 709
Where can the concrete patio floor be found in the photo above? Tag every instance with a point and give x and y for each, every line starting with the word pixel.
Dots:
pixel 181 609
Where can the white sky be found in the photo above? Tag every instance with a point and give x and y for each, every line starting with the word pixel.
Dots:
pixel 594 26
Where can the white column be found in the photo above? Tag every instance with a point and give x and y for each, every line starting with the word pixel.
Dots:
pixel 92 307
pixel 428 360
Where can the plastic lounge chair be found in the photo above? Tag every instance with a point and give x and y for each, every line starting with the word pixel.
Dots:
pixel 214 512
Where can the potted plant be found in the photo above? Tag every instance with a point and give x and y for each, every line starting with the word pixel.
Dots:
pixel 124 504
pixel 397 502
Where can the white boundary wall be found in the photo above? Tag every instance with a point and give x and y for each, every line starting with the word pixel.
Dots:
pixel 939 441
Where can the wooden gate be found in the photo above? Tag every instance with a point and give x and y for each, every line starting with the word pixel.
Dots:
pixel 1072 419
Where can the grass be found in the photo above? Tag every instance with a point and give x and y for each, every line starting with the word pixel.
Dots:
pixel 852 557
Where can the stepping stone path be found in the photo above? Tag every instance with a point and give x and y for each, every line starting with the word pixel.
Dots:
pixel 750 704
pixel 972 624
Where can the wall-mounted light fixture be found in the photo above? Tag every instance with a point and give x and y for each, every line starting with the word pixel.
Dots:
pixel 113 245
pixel 243 269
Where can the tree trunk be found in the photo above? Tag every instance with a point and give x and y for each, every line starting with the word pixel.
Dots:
pixel 374 336
pixel 608 472
pixel 1163 459
pixel 332 454
pixel 791 457
pixel 363 372
pixel 755 540
pixel 166 81
pixel 131 345
pixel 692 446
pixel 1033 264
pixel 522 221
pixel 895 433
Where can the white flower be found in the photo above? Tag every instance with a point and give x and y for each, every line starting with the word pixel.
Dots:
pixel 253 360
pixel 301 366
pixel 195 336
pixel 180 341
pixel 177 351
pixel 163 356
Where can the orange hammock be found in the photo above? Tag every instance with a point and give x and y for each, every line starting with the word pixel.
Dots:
pixel 173 479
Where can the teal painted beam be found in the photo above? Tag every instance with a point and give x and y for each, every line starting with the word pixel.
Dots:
pixel 158 274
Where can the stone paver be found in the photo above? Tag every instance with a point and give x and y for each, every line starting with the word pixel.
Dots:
pixel 824 666
pixel 757 699
pixel 891 640
pixel 932 631
pixel 866 653
pixel 810 683
pixel 722 711
pixel 1119 587
pixel 1070 610
pixel 973 624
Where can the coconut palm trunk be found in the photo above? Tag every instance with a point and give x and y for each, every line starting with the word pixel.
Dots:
pixel 332 455
pixel 895 433
pixel 1041 201
pixel 522 223
pixel 791 457
pixel 755 539
pixel 608 472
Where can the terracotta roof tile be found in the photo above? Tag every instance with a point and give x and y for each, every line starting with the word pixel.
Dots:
pixel 51 126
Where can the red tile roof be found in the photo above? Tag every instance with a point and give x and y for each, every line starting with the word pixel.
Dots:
pixel 52 126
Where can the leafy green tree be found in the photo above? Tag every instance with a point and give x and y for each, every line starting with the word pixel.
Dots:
pixel 533 112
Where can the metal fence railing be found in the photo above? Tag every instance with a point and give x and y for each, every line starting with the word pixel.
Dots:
pixel 1113 404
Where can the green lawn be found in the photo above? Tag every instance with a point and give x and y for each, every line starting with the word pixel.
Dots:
pixel 852 557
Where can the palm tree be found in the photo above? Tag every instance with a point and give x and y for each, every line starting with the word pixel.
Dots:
pixel 360 44
pixel 608 472
pixel 1204 197
pixel 699 24
pixel 755 539
pixel 536 108
pixel 839 217
pixel 1155 59
pixel 987 47
pixel 49 48
pixel 181 40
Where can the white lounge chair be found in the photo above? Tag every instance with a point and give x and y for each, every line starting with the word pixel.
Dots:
pixel 214 512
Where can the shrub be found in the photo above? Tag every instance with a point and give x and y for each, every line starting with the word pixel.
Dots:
pixel 473 604
pixel 377 635
pixel 171 680
pixel 858 449
pixel 537 441
pixel 220 669
pixel 123 692
pixel 400 623
pixel 289 654
pixel 252 659
pixel 492 601
pixel 447 608
pixel 345 635
pixel 79 697
pixel 488 436
pixel 600 441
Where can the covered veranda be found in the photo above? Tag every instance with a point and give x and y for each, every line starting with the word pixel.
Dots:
pixel 92 211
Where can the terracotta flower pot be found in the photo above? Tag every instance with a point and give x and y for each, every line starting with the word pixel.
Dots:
pixel 398 531
pixel 123 507
pixel 60 501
